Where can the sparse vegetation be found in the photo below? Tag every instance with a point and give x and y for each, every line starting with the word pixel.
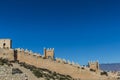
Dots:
pixel 104 73
pixel 5 61
pixel 92 70
pixel 82 68
pixel 16 71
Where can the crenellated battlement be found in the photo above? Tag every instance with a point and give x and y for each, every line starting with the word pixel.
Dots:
pixel 49 49
pixel 25 55
pixel 49 53
pixel 94 65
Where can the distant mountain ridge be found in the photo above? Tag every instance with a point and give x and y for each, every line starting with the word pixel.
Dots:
pixel 110 67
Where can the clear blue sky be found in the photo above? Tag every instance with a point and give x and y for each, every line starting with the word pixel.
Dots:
pixel 79 30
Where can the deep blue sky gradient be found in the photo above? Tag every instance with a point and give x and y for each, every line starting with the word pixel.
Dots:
pixel 79 30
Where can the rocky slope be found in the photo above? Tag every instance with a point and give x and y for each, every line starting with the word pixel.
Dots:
pixel 22 71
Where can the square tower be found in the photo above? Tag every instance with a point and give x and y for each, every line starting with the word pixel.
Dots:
pixel 94 66
pixel 49 53
pixel 6 43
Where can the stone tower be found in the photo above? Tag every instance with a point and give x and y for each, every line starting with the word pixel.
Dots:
pixel 6 43
pixel 49 53
pixel 94 66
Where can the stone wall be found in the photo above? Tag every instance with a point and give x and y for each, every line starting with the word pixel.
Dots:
pixel 58 65
pixel 7 53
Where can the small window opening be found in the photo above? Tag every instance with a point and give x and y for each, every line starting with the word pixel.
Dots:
pixel 4 44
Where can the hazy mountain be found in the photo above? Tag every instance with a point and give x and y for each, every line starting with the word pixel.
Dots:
pixel 110 67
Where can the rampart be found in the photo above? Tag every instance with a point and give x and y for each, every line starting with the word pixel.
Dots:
pixel 58 65
pixel 49 61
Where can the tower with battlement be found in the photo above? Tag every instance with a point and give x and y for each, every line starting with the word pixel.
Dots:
pixel 94 66
pixel 49 53
pixel 6 43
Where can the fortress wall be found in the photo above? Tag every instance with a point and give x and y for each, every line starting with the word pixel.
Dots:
pixel 10 54
pixel 7 53
pixel 1 53
pixel 37 61
pixel 20 56
pixel 27 57
pixel 30 59
pixel 59 66
pixel 62 68
pixel 48 64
